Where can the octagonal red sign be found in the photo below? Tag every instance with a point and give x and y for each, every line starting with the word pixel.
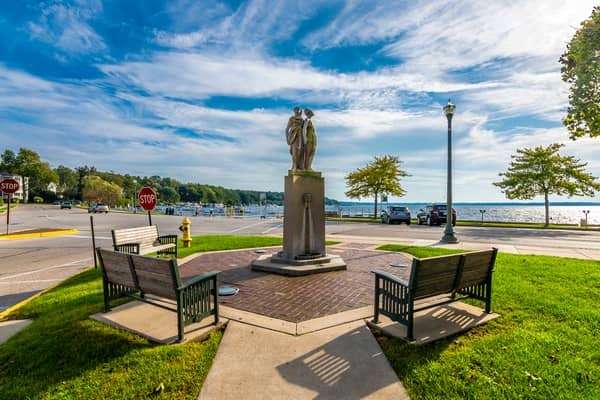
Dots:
pixel 9 185
pixel 147 198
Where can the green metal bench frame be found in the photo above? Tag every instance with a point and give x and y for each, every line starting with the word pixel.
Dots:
pixel 395 298
pixel 192 297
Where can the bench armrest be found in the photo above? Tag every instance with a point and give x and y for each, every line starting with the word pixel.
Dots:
pixel 166 239
pixel 133 248
pixel 198 278
pixel 390 277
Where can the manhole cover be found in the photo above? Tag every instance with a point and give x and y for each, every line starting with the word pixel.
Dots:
pixel 228 291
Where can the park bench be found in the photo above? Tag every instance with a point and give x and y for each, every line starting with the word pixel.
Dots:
pixel 144 240
pixel 458 276
pixel 137 276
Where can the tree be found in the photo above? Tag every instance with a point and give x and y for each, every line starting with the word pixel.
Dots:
pixel 543 171
pixel 28 163
pixel 8 162
pixel 67 181
pixel 168 195
pixel 97 189
pixel 380 176
pixel 581 70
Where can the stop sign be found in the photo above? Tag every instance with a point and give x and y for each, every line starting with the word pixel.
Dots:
pixel 9 185
pixel 147 198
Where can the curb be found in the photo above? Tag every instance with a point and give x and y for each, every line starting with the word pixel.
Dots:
pixel 33 235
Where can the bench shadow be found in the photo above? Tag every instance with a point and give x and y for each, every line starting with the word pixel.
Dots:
pixel 347 367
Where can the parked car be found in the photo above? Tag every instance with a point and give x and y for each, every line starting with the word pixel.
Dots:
pixel 395 214
pixel 98 208
pixel 65 204
pixel 435 214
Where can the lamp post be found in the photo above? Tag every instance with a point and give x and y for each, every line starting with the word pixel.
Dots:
pixel 586 212
pixel 482 212
pixel 449 236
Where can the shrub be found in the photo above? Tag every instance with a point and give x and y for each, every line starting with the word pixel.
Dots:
pixel 38 200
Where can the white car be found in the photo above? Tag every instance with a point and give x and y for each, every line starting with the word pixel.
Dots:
pixel 98 208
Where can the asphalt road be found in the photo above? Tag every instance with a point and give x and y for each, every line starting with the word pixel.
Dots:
pixel 27 266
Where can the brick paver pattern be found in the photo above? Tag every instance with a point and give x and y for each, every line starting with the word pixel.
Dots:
pixel 298 299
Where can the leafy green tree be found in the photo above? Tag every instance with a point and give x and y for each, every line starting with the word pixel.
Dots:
pixel 380 176
pixel 82 173
pixel 67 181
pixel 8 162
pixel 99 190
pixel 28 163
pixel 542 171
pixel 168 195
pixel 581 70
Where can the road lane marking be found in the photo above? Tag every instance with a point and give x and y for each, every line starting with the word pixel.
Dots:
pixel 36 281
pixel 69 264
pixel 89 237
pixel 272 228
pixel 248 226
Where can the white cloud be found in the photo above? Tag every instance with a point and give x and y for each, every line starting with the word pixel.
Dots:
pixel 203 74
pixel 68 27
pixel 255 24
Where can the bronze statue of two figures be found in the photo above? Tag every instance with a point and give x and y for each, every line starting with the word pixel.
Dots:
pixel 301 136
pixel 304 251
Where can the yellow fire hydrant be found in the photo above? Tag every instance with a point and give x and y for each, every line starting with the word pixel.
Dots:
pixel 187 233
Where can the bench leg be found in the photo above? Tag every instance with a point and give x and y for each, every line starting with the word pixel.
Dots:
pixel 180 325
pixel 410 331
pixel 106 295
pixel 376 303
pixel 216 298
pixel 488 297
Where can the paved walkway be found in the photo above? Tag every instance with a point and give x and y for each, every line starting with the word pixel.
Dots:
pixel 344 362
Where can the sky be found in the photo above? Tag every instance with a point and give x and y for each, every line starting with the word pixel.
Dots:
pixel 201 90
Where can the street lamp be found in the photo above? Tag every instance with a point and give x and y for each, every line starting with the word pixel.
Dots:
pixel 449 236
pixel 586 212
pixel 482 212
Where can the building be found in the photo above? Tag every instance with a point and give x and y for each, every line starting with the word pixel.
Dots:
pixel 23 193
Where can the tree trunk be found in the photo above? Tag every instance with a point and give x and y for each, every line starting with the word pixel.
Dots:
pixel 547 209
pixel 375 211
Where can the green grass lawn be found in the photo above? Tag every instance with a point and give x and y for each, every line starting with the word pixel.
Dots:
pixel 230 242
pixel 545 345
pixel 226 242
pixel 65 355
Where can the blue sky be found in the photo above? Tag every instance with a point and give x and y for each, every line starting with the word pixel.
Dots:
pixel 201 90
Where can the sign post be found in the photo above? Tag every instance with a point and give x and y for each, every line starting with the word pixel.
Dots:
pixel 8 186
pixel 147 199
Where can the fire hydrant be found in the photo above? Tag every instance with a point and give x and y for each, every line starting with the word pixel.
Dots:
pixel 187 234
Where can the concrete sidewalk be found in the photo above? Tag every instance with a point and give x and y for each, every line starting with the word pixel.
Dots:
pixel 343 362
pixel 560 250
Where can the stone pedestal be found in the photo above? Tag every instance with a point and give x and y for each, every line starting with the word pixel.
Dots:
pixel 303 229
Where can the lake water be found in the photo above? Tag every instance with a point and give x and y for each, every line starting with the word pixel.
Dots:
pixel 560 213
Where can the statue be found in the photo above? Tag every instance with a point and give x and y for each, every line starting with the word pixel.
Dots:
pixel 309 136
pixel 302 138
pixel 293 134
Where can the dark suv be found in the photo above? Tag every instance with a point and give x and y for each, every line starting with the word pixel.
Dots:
pixel 395 214
pixel 435 214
